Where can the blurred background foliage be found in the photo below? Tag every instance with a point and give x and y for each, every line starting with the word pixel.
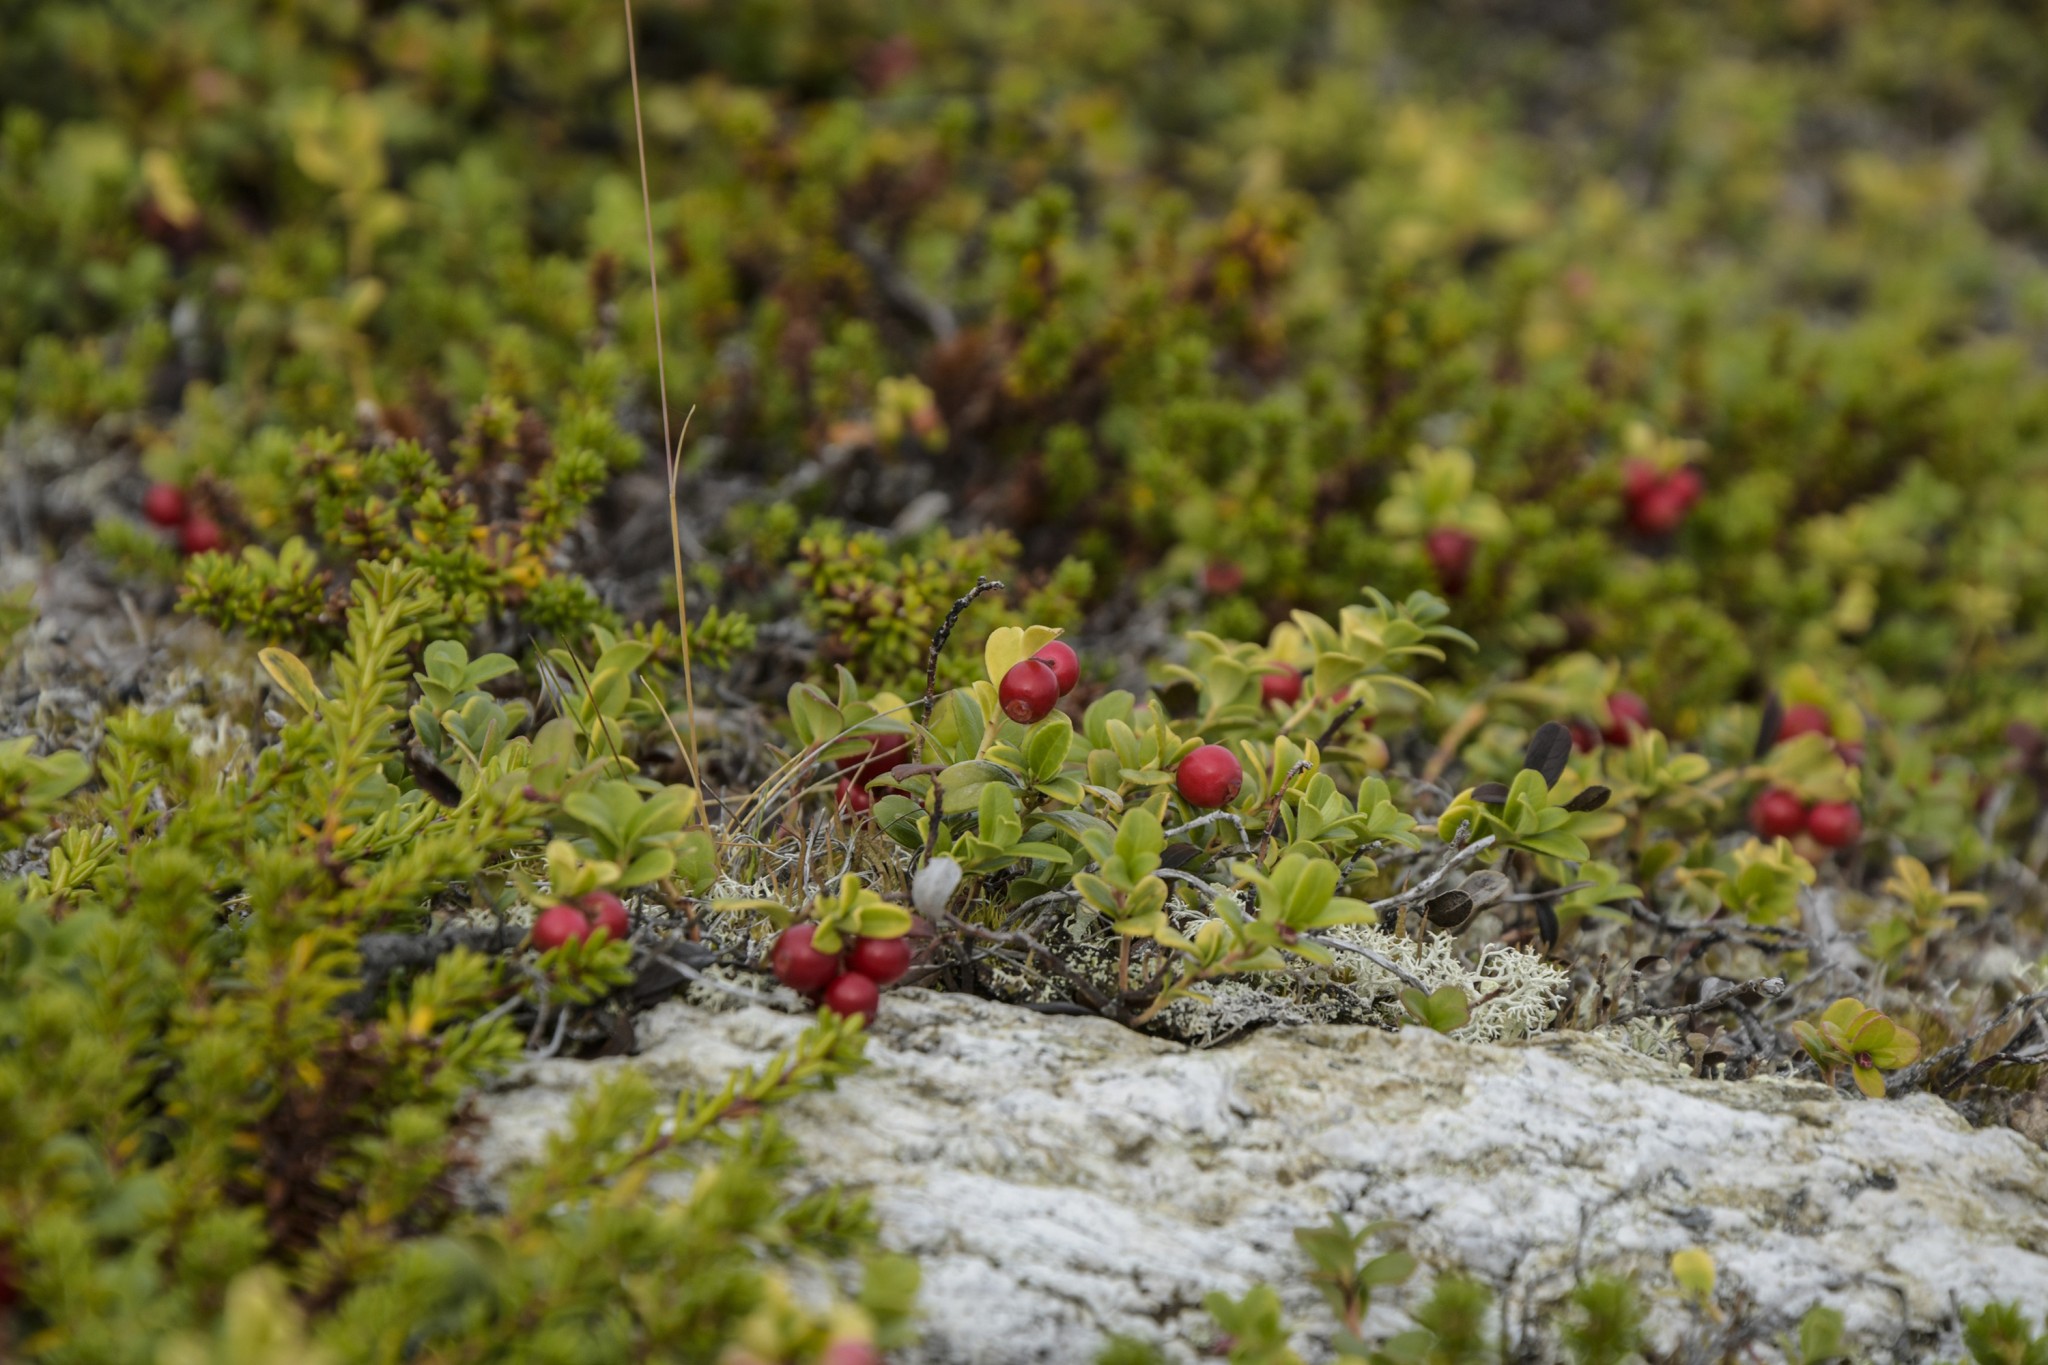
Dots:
pixel 1186 298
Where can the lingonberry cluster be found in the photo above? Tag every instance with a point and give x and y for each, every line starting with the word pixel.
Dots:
pixel 846 982
pixel 1780 813
pixel 566 923
pixel 167 506
pixel 1033 686
pixel 1658 501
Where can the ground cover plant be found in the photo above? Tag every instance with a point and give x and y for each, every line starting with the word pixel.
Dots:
pixel 1298 544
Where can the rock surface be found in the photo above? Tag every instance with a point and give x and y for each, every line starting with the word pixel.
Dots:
pixel 1062 1179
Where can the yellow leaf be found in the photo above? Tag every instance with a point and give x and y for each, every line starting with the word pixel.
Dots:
pixel 1005 648
pixel 167 188
pixel 1009 646
pixel 1693 1270
pixel 292 677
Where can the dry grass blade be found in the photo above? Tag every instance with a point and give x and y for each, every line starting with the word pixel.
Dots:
pixel 671 446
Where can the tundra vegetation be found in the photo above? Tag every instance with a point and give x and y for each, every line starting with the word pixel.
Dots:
pixel 1455 516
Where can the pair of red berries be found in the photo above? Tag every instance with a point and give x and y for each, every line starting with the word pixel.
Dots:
pixel 1032 686
pixel 884 752
pixel 1450 554
pixel 564 923
pixel 1628 713
pixel 166 505
pixel 1780 814
pixel 1657 502
pixel 847 982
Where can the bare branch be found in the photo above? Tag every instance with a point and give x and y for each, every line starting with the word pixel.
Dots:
pixel 1766 987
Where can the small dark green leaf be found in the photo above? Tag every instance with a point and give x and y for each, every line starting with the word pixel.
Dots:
pixel 1768 728
pixel 1490 793
pixel 1592 798
pixel 1550 748
pixel 429 776
pixel 1448 911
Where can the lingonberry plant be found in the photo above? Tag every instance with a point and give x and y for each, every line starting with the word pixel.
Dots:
pixel 318 313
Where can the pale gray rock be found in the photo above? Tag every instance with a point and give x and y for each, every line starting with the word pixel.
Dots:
pixel 1062 1178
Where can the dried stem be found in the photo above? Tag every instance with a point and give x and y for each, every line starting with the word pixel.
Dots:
pixel 945 631
pixel 1931 1072
pixel 671 446
pixel 1768 987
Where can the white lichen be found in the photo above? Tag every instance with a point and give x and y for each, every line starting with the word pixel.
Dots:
pixel 1512 992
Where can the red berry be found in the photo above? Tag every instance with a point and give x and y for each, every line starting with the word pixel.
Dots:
pixel 1066 665
pixel 1658 512
pixel 1837 824
pixel 1282 685
pixel 1639 479
pixel 201 533
pixel 851 1353
pixel 1221 578
pixel 1777 814
pixel 1450 551
pixel 881 960
pixel 1685 484
pixel 884 752
pixel 164 504
pixel 1804 719
pixel 851 796
pixel 607 912
pixel 1210 777
pixel 853 994
pixel 559 924
pixel 800 966
pixel 1630 713
pixel 1584 737
pixel 1029 690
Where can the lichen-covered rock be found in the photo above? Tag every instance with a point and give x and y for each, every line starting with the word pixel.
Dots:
pixel 1062 1178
